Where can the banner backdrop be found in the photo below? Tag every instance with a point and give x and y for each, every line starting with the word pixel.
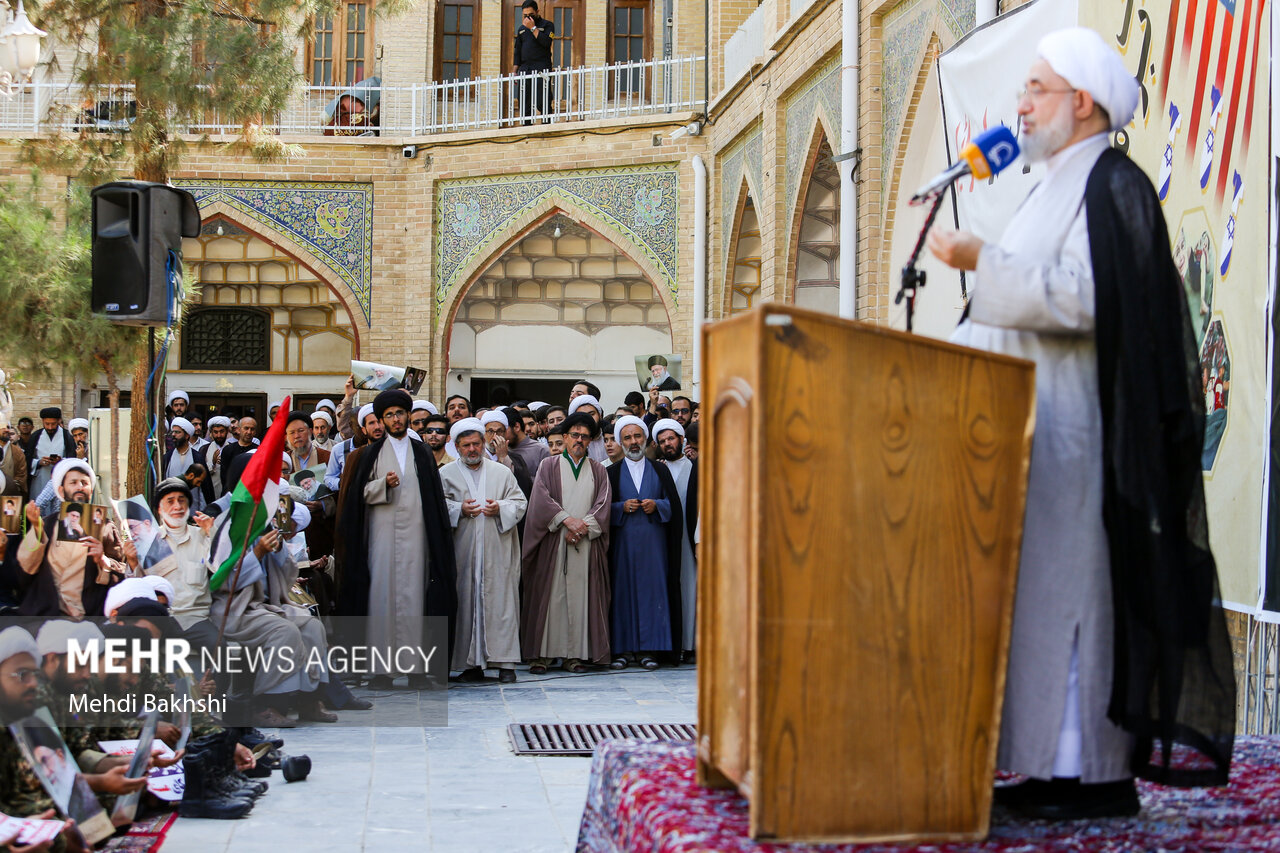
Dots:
pixel 980 78
pixel 1201 134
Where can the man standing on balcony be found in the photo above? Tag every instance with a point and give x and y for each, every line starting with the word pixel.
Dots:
pixel 532 54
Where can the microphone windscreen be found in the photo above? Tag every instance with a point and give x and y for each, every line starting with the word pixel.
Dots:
pixel 991 152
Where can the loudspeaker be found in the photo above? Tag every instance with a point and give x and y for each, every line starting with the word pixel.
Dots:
pixel 137 243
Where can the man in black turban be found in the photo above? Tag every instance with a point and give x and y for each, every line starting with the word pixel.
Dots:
pixel 46 448
pixel 397 547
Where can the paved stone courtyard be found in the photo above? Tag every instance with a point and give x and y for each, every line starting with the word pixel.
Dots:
pixel 455 788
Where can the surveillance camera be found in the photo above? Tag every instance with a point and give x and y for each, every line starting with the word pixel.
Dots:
pixel 409 152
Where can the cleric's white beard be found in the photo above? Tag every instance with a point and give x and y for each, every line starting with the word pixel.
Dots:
pixel 1050 136
pixel 635 454
pixel 168 522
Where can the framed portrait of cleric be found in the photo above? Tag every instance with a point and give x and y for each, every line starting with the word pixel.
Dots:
pixel 11 513
pixel 661 371
pixel 413 379
pixel 72 520
pixel 53 764
pixel 283 518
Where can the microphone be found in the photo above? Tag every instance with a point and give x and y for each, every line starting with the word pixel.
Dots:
pixel 990 153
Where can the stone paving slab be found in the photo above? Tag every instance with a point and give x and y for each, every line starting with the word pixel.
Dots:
pixel 443 789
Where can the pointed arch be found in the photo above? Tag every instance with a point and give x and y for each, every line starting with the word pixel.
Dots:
pixel 521 228
pixel 737 257
pixel 818 169
pixel 216 211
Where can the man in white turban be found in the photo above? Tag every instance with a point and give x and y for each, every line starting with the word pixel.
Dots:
pixel 1115 636
pixel 485 505
pixel 668 434
pixel 644 553
pixel 590 404
pixel 322 424
pixel 183 454
pixel 219 436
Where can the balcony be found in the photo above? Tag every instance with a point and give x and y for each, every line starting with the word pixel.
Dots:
pixel 618 91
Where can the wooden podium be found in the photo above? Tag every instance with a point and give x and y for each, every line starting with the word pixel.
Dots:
pixel 861 524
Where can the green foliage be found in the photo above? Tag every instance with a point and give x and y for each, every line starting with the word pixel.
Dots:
pixel 191 62
pixel 45 284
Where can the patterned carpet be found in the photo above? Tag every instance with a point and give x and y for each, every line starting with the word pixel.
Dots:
pixel 145 836
pixel 643 797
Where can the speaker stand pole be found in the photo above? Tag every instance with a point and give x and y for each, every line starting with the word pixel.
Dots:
pixel 912 278
pixel 152 452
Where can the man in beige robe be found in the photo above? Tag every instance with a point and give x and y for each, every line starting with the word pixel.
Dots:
pixel 485 506
pixel 397 545
pixel 566 557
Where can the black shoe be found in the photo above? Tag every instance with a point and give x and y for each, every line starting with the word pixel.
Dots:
pixel 381 682
pixel 473 674
pixel 1068 799
pixel 506 676
pixel 419 681
pixel 200 800
pixel 253 737
pixel 355 704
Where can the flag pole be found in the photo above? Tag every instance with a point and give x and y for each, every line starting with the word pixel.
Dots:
pixel 235 579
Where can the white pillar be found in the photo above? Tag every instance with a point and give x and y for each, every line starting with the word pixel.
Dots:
pixel 848 144
pixel 699 265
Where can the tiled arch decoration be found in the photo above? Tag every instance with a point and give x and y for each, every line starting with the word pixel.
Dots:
pixel 641 204
pixel 333 221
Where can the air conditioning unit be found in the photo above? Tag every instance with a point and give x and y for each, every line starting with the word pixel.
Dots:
pixel 100 452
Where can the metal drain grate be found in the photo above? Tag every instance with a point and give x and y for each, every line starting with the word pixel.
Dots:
pixel 581 738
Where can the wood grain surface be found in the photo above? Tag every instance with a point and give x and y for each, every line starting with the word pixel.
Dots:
pixel 857 574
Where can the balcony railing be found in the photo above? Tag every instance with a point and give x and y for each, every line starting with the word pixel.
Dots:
pixel 621 90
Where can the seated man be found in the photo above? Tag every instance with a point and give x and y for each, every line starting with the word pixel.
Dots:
pixel 259 616
pixel 355 111
pixel 68 578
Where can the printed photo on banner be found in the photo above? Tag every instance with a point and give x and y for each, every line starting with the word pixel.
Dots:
pixel 371 376
pixel 11 513
pixel 658 371
pixel 413 379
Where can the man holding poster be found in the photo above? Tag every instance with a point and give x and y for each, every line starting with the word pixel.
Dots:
pixel 1118 643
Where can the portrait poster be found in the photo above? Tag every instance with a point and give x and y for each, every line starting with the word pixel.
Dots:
pixel 11 513
pixel 127 804
pixel 1201 135
pixel 46 752
pixel 139 526
pixel 371 376
pixel 311 481
pixel 658 370
pixel 73 521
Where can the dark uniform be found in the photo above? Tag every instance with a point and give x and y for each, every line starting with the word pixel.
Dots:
pixel 533 54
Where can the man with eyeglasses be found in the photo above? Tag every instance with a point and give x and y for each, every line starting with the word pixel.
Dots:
pixel 565 606
pixel 1115 567
pixel 398 561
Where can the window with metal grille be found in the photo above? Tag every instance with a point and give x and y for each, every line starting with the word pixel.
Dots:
pixel 340 51
pixel 226 339
pixel 457 35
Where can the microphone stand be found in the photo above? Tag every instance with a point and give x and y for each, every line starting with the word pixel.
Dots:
pixel 912 278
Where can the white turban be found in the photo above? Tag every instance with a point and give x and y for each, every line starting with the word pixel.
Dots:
pixel 178 395
pixel 78 423
pixel 66 466
pixel 288 461
pixel 15 641
pixel 584 400
pixel 326 402
pixel 219 421
pixel 465 425
pixel 301 516
pixel 127 590
pixel 365 411
pixel 537 404
pixel 53 636
pixel 161 586
pixel 495 415
pixel 325 416
pixel 668 423
pixel 424 406
pixel 184 425
pixel 627 420
pixel 1083 59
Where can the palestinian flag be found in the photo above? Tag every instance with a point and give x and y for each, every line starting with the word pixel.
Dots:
pixel 253 503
